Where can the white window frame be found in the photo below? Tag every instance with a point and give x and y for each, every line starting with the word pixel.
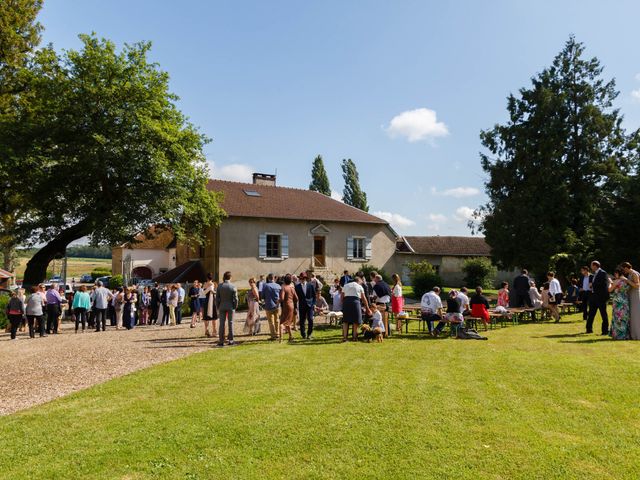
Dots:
pixel 366 248
pixel 363 251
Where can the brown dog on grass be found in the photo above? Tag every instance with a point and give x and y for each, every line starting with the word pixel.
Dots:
pixel 371 334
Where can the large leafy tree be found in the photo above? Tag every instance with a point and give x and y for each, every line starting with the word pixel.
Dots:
pixel 19 36
pixel 352 194
pixel 104 152
pixel 319 178
pixel 545 166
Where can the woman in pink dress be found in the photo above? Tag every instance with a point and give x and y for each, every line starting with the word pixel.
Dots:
pixel 397 300
pixel 503 295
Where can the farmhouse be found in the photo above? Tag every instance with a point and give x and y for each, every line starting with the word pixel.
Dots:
pixel 270 229
pixel 445 253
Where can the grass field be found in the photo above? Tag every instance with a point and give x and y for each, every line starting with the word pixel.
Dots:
pixel 75 266
pixel 534 401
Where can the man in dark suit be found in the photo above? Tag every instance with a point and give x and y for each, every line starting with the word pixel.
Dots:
pixel 226 302
pixel 584 292
pixel 598 298
pixel 521 289
pixel 345 278
pixel 306 302
pixel 155 304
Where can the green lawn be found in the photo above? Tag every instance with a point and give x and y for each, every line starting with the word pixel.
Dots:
pixel 535 401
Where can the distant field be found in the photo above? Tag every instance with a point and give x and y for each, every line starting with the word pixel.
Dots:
pixel 75 266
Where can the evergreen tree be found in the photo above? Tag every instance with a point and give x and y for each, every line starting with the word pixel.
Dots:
pixel 319 178
pixel 546 165
pixel 352 193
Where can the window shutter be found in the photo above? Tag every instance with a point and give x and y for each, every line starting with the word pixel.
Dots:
pixel 349 248
pixel 367 248
pixel 285 245
pixel 262 245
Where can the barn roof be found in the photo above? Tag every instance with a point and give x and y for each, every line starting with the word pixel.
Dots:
pixel 447 246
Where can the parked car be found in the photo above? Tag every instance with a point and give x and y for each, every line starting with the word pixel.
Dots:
pixel 67 287
pixel 104 280
pixel 86 278
pixel 55 279
pixel 147 282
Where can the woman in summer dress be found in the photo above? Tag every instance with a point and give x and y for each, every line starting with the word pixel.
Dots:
pixel 619 290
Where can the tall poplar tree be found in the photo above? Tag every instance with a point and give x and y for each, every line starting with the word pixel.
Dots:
pixel 319 178
pixel 546 164
pixel 352 194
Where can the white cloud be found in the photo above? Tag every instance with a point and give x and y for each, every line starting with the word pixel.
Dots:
pixel 463 214
pixel 457 192
pixel 235 172
pixel 395 219
pixel 635 94
pixel 437 217
pixel 416 125
pixel 336 195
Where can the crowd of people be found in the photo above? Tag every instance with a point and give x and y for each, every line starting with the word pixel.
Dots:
pixel 364 304
pixel 290 302
pixel 590 293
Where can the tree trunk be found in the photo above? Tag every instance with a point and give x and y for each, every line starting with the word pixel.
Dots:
pixel 8 258
pixel 37 267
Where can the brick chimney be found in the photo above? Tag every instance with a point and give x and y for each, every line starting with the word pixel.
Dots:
pixel 264 179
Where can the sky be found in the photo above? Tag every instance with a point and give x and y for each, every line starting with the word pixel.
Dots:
pixel 403 88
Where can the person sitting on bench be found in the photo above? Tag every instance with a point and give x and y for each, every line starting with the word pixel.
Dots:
pixel 480 306
pixel 431 308
pixel 453 311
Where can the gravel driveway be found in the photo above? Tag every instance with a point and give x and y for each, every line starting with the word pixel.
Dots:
pixel 41 369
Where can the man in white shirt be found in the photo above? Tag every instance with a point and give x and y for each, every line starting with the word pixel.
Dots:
pixel 554 287
pixel 431 308
pixel 463 300
pixel 555 292
pixel 585 291
pixel 260 284
pixel 101 297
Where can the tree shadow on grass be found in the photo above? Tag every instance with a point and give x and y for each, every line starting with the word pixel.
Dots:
pixel 560 335
pixel 599 339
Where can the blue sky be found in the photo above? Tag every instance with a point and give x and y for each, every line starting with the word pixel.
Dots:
pixel 403 88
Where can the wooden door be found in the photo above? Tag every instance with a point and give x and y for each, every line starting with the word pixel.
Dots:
pixel 319 259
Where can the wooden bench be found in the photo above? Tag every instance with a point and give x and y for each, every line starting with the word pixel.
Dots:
pixel 566 308
pixel 334 317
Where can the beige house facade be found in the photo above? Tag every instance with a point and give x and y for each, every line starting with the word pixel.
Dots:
pixel 250 247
